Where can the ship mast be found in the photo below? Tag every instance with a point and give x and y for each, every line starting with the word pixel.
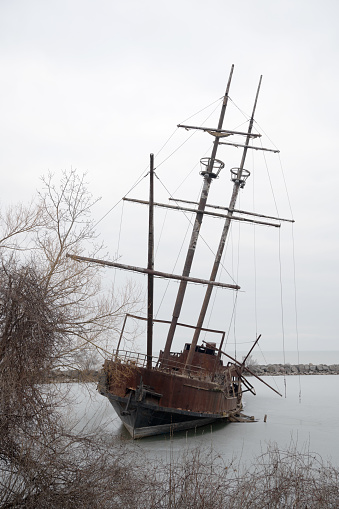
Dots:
pixel 150 265
pixel 239 176
pixel 208 177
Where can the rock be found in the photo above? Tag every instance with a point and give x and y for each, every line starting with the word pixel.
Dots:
pixel 294 369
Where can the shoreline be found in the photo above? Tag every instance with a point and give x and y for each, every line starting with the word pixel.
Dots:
pixel 294 369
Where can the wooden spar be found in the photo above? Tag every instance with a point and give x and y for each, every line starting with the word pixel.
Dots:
pixel 150 266
pixel 121 333
pixel 208 176
pixel 251 350
pixel 205 212
pixel 218 131
pixel 238 182
pixel 234 210
pixel 156 320
pixel 253 374
pixel 248 386
pixel 263 381
pixel 155 273
pixel 250 146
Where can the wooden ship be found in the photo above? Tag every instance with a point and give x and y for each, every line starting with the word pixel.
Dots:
pixel 200 384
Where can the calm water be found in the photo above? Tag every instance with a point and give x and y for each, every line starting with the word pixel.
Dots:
pixel 308 416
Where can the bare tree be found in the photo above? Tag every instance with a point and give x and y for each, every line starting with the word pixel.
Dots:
pixel 43 464
pixel 52 310
pixel 251 362
pixel 93 316
pixel 17 223
pixel 42 234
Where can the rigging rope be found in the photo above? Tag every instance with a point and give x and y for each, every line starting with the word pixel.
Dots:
pixel 236 270
pixel 190 222
pixel 119 236
pixel 283 175
pixel 239 109
pixel 262 130
pixel 270 181
pixel 161 231
pixel 296 310
pixel 176 150
pixel 232 317
pixel 175 264
pixel 190 136
pixel 282 310
pixel 219 100
pixel 140 179
pixel 294 277
pixel 254 253
pixel 220 271
pixel 180 250
pixel 141 176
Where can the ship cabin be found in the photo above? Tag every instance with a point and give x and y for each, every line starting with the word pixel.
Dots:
pixel 205 359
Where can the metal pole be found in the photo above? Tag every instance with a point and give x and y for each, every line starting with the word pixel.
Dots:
pixel 225 231
pixel 196 228
pixel 251 350
pixel 150 265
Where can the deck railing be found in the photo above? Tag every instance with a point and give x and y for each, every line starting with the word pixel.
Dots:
pixel 138 359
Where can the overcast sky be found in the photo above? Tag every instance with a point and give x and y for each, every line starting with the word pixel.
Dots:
pixel 99 85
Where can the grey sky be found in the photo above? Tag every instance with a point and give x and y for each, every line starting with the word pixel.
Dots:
pixel 97 86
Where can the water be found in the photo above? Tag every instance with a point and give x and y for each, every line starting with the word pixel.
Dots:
pixel 307 416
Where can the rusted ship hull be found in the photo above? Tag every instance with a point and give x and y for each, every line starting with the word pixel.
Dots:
pixel 143 420
pixel 155 401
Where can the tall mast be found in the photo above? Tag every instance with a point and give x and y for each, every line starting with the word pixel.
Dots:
pixel 208 176
pixel 238 178
pixel 150 265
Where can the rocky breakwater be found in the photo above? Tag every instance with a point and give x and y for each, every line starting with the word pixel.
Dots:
pixel 294 369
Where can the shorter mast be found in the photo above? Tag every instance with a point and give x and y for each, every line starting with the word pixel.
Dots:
pixel 150 265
